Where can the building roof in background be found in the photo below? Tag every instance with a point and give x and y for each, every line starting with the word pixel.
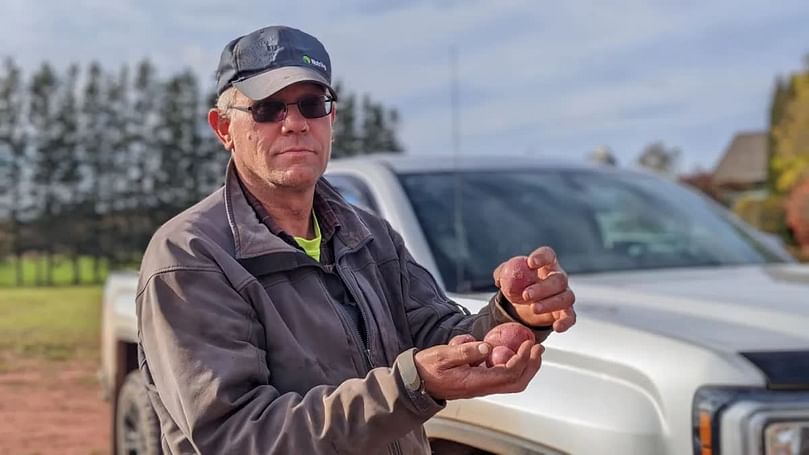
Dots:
pixel 744 161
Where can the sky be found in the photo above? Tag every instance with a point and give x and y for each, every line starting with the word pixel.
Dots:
pixel 553 79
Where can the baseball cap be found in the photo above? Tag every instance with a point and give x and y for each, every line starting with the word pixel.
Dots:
pixel 267 60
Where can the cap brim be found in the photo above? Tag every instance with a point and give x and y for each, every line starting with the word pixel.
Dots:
pixel 270 82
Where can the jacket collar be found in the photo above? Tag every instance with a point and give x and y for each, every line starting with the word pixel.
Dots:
pixel 252 238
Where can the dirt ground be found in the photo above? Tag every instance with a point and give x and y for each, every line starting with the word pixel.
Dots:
pixel 51 407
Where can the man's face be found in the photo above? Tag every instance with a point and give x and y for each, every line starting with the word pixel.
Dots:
pixel 290 154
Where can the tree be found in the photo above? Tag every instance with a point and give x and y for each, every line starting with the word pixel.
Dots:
pixel 603 155
pixel 789 132
pixel 94 143
pixel 659 158
pixel 346 137
pixel 116 126
pixel 66 173
pixel 42 115
pixel 176 143
pixel 94 170
pixel 13 140
pixel 797 212
pixel 778 105
pixel 378 128
pixel 142 173
pixel 213 157
pixel 362 129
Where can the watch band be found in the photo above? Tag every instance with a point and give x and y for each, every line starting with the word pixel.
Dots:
pixel 410 374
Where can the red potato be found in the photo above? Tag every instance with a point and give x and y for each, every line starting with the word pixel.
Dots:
pixel 515 276
pixel 499 356
pixel 510 334
pixel 505 340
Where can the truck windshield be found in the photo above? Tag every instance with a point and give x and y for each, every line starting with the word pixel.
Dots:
pixel 596 221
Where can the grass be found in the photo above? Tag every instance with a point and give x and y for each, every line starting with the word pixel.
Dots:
pixel 51 323
pixel 63 273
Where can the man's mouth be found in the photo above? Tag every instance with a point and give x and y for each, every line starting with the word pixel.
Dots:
pixel 295 150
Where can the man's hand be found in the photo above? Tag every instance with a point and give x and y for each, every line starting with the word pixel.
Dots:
pixel 542 296
pixel 449 372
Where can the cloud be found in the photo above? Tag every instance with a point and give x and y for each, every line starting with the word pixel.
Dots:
pixel 541 76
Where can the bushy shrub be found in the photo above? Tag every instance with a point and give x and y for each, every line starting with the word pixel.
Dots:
pixel 763 212
pixel 797 211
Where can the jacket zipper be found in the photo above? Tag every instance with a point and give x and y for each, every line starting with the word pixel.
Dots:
pixel 356 294
pixel 348 321
pixel 395 447
pixel 355 335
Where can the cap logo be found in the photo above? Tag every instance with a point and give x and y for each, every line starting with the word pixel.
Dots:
pixel 311 61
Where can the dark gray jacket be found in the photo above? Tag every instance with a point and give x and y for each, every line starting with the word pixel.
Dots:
pixel 244 351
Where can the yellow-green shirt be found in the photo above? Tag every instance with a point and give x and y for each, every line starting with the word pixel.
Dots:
pixel 311 247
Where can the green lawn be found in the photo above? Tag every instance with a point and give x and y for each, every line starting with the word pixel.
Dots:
pixel 63 273
pixel 54 323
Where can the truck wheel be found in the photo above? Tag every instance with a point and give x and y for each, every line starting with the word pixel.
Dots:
pixel 137 430
pixel 445 447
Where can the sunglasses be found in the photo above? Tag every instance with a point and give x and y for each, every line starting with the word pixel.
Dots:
pixel 313 106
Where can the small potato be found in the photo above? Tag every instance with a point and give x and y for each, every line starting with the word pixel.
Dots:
pixel 510 334
pixel 499 356
pixel 516 276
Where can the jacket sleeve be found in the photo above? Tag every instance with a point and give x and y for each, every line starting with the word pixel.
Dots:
pixel 434 318
pixel 202 361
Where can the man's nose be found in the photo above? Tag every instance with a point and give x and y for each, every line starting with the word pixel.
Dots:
pixel 294 122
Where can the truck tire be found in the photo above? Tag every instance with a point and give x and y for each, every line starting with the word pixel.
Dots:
pixel 445 447
pixel 137 430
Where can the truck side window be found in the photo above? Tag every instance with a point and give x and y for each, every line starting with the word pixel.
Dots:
pixel 353 190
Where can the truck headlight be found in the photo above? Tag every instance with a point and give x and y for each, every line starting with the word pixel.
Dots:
pixel 787 438
pixel 747 421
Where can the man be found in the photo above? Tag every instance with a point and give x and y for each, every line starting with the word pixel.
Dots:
pixel 276 318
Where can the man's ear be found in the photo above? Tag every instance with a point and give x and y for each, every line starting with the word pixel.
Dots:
pixel 221 128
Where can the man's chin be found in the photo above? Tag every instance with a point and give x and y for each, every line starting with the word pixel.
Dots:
pixel 299 178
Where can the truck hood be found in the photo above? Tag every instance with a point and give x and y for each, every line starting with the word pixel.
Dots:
pixel 645 342
pixel 732 309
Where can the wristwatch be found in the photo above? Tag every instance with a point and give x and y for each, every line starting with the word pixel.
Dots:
pixel 410 374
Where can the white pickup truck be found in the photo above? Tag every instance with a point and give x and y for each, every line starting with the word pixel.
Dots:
pixel 693 328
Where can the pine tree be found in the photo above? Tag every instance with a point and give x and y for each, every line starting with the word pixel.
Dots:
pixel 66 179
pixel 365 128
pixel 142 180
pixel 94 144
pixel 390 143
pixel 43 91
pixel 13 140
pixel 378 128
pixel 213 157
pixel 177 136
pixel 116 156
pixel 371 126
pixel 193 168
pixel 346 138
pixel 660 158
